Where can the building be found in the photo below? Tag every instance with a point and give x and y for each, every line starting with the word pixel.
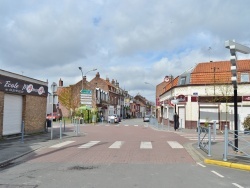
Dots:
pixel 205 94
pixel 22 99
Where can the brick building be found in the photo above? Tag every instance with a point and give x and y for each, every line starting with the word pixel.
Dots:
pixel 22 99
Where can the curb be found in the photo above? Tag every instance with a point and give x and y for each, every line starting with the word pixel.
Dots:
pixel 227 164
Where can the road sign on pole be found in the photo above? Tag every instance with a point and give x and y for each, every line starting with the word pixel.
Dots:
pixel 86 97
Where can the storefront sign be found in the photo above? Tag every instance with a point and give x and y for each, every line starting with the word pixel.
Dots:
pixel 16 86
pixel 245 98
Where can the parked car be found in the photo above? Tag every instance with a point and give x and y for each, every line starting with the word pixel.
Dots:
pixel 56 116
pixel 146 118
pixel 113 119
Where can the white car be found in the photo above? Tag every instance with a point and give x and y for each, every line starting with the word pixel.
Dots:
pixel 113 119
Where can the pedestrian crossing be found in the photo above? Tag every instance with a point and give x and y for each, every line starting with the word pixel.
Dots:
pixel 118 145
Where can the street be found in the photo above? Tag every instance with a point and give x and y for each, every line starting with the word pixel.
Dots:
pixel 128 154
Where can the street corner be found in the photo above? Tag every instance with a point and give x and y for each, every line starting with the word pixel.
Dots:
pixel 228 164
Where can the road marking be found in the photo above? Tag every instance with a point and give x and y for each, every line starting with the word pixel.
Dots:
pixel 201 165
pixel 89 144
pixel 62 144
pixel 136 125
pixel 126 125
pixel 237 185
pixel 116 145
pixel 146 145
pixel 174 144
pixel 218 174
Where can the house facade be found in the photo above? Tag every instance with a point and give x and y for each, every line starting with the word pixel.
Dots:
pixel 205 94
pixel 22 99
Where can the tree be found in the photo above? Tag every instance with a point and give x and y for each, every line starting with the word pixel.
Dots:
pixel 66 99
pixel 246 123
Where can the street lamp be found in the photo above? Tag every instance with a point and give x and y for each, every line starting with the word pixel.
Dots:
pixel 80 68
pixel 235 47
pixel 89 71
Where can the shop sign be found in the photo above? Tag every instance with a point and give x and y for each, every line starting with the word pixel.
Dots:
pixel 245 98
pixel 16 86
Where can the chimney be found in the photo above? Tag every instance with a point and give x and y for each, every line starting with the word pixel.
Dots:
pixel 84 79
pixel 97 75
pixel 113 82
pixel 117 84
pixel 107 79
pixel 60 83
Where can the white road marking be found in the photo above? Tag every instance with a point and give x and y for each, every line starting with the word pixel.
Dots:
pixel 126 125
pixel 237 185
pixel 201 165
pixel 89 144
pixel 218 174
pixel 146 145
pixel 136 125
pixel 174 144
pixel 62 144
pixel 116 145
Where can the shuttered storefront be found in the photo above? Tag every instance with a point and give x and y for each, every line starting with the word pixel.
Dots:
pixel 12 116
pixel 182 117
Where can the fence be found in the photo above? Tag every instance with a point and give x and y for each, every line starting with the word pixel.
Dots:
pixel 243 149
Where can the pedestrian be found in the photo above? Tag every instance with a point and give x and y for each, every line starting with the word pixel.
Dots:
pixel 176 121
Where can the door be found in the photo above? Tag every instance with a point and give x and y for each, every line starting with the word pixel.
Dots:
pixel 12 114
pixel 182 117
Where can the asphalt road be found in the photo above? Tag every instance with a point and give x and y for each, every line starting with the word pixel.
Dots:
pixel 129 154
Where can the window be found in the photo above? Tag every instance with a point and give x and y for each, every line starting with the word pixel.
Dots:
pixel 244 77
pixel 183 81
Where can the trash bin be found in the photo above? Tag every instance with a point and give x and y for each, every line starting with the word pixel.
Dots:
pixel 48 121
pixel 81 121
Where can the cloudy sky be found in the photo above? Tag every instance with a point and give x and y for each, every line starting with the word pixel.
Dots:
pixel 131 41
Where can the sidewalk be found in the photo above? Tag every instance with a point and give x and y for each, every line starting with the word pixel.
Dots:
pixel 217 151
pixel 13 148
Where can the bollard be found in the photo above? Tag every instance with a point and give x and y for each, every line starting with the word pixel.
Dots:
pixel 22 129
pixel 199 133
pixel 225 144
pixel 60 129
pixel 51 129
pixel 64 124
pixel 209 140
pixel 214 131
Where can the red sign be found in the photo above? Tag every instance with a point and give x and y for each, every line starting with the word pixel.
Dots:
pixel 182 98
pixel 246 98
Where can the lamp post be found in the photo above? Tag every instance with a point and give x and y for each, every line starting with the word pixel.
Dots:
pixel 53 91
pixel 235 47
pixel 80 68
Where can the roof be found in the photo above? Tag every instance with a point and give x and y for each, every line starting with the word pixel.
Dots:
pixel 217 72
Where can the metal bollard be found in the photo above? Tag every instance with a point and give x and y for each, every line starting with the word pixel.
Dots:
pixel 214 131
pixel 22 129
pixel 209 140
pixel 60 129
pixel 225 143
pixel 199 133
pixel 51 129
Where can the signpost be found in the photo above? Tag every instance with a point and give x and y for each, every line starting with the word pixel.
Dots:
pixel 86 97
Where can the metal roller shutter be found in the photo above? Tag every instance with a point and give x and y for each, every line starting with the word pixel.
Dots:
pixel 12 118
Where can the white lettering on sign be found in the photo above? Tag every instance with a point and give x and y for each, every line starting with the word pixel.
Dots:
pixel 11 85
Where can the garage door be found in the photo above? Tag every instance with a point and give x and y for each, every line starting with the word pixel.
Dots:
pixel 182 117
pixel 209 114
pixel 12 118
